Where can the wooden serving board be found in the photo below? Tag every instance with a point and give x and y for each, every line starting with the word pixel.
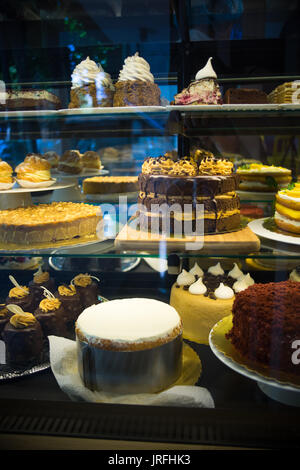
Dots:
pixel 242 241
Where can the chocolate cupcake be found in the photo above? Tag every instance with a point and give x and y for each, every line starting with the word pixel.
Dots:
pixel 51 315
pixel 71 303
pixel 40 279
pixel 23 338
pixel 87 288
pixel 5 315
pixel 21 296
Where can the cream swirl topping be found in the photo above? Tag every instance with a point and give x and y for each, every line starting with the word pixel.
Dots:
pixel 235 273
pixel 207 71
pixel 87 72
pixel 224 292
pixel 196 270
pixel 198 288
pixel 216 270
pixel 185 278
pixel 136 68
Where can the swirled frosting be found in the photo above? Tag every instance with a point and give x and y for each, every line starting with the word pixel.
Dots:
pixel 41 277
pixel 185 278
pixel 196 270
pixel 19 292
pixel 49 304
pixel 22 320
pixel 207 71
pixel 216 270
pixel 136 68
pixel 198 288
pixel 67 290
pixel 235 273
pixel 224 292
pixel 82 280
pixel 87 72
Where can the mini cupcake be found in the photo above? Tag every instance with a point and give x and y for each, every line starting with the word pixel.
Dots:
pixel 41 279
pixel 70 162
pixel 91 86
pixel 6 176
pixel 135 85
pixel 52 157
pixel 5 315
pixel 87 288
pixel 34 172
pixel 51 315
pixel 23 338
pixel 91 160
pixel 71 302
pixel 20 296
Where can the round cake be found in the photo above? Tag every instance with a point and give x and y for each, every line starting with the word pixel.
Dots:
pixel 187 196
pixel 263 178
pixel 287 209
pixel 129 345
pixel 266 322
pixel 202 299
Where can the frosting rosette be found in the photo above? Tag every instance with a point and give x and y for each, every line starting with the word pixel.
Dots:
pixel 87 72
pixel 136 68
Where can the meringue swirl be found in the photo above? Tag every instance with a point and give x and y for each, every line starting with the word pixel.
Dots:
pixel 136 68
pixel 87 72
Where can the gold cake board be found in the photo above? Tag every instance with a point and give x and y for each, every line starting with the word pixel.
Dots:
pixel 130 238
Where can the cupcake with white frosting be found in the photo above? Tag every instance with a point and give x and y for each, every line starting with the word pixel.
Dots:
pixel 204 298
pixel 135 85
pixel 203 90
pixel 91 86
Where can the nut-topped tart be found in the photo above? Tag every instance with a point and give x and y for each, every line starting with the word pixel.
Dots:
pixel 47 223
pixel 191 189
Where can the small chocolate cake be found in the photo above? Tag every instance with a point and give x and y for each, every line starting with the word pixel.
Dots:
pixel 40 279
pixel 5 315
pixel 23 338
pixel 51 316
pixel 245 96
pixel 71 303
pixel 22 297
pixel 87 288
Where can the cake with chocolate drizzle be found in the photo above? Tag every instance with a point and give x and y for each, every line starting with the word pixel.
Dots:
pixel 188 195
pixel 203 298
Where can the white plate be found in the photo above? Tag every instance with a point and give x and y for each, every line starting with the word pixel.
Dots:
pixel 223 107
pixel 18 189
pixel 257 226
pixel 31 113
pixel 290 105
pixel 31 185
pixel 82 174
pixel 113 110
pixel 256 196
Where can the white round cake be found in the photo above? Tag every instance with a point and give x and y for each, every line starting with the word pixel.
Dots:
pixel 129 345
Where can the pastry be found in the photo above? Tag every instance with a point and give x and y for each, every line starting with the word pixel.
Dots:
pixel 185 197
pixel 52 157
pixel 91 86
pixel 288 92
pixel 263 178
pixel 5 315
pixel 204 298
pixel 91 160
pixel 110 184
pixel 70 162
pixel 265 324
pixel 6 176
pixel 23 338
pixel 48 223
pixel 203 90
pixel 287 209
pixel 34 171
pixel 22 100
pixel 71 303
pixel 41 279
pixel 87 287
pixel 51 316
pixel 245 96
pixel 20 296
pixel 295 274
pixel 135 85
pixel 129 346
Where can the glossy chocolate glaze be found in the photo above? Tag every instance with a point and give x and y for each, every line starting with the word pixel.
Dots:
pixel 23 345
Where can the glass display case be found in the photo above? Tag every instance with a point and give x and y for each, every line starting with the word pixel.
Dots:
pixel 218 401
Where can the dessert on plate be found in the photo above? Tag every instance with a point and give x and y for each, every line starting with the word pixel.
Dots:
pixel 265 323
pixel 51 316
pixel 20 296
pixel 6 176
pixel 110 184
pixel 52 157
pixel 263 178
pixel 48 223
pixel 70 162
pixel 88 288
pixel 185 197
pixel 135 85
pixel 27 100
pixel 288 92
pixel 23 338
pixel 203 298
pixel 245 96
pixel 91 160
pixel 71 304
pixel 129 345
pixel 287 209
pixel 41 279
pixel 91 86
pixel 203 90
pixel 34 172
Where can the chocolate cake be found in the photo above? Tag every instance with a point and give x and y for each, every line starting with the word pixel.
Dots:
pixel 22 100
pixel 40 279
pixel 23 338
pixel 266 322
pixel 88 289
pixel 180 190
pixel 71 303
pixel 245 96
pixel 5 315
pixel 22 297
pixel 51 316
